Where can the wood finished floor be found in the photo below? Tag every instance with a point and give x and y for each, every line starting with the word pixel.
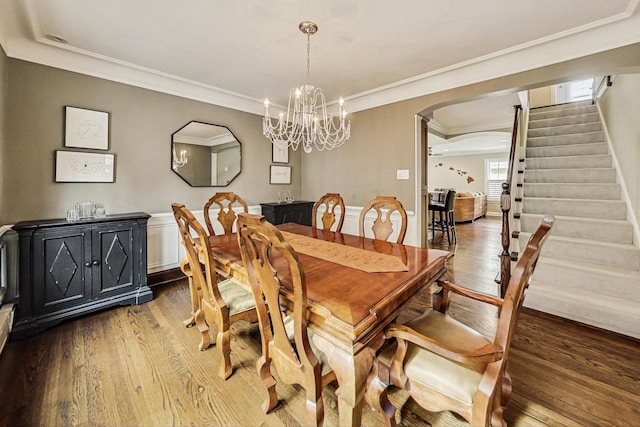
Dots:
pixel 138 366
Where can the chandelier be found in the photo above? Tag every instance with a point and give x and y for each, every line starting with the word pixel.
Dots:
pixel 307 120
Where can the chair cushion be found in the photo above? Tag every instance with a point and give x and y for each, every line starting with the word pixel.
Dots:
pixel 450 378
pixel 322 358
pixel 237 298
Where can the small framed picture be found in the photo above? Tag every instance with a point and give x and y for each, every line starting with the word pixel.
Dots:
pixel 280 175
pixel 280 153
pixel 86 128
pixel 80 166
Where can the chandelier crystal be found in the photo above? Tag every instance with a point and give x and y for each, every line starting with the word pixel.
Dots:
pixel 307 120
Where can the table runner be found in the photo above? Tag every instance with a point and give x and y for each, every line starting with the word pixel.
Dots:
pixel 371 262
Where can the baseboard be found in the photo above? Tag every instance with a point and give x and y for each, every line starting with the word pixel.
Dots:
pixel 164 276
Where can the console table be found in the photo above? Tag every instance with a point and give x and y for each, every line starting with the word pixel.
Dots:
pixel 279 213
pixel 69 269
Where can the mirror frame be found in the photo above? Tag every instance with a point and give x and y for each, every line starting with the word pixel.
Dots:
pixel 176 170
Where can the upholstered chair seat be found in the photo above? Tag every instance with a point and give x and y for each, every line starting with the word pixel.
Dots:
pixel 430 370
pixel 237 298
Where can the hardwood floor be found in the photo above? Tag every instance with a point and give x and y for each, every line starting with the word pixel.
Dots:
pixel 138 366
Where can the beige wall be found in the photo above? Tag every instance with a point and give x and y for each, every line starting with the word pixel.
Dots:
pixel 442 176
pixel 3 111
pixel 383 138
pixel 382 141
pixel 141 124
pixel 620 106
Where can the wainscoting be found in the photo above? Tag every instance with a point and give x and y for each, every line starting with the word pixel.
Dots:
pixel 165 250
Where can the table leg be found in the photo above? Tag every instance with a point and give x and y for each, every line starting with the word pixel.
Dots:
pixel 351 372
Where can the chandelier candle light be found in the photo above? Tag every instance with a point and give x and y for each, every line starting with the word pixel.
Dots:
pixel 308 122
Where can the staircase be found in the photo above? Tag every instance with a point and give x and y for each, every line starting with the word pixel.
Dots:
pixel 589 270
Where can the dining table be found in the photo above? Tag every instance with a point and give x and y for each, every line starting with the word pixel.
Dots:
pixel 356 287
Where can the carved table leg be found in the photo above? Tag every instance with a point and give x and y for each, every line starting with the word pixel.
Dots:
pixel 352 371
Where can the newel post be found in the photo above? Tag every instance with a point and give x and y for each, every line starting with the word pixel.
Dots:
pixel 505 258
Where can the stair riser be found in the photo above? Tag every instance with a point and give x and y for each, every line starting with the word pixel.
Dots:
pixel 573 191
pixel 568 150
pixel 606 209
pixel 549 114
pixel 589 280
pixel 578 138
pixel 589 252
pixel 622 318
pixel 595 161
pixel 610 231
pixel 565 130
pixel 563 120
pixel 570 176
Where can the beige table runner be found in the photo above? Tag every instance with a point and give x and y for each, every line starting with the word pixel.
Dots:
pixel 371 262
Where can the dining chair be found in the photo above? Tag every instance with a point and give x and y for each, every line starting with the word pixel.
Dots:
pixel 226 215
pixel 286 341
pixel 382 225
pixel 445 221
pixel 220 303
pixel 330 201
pixel 446 365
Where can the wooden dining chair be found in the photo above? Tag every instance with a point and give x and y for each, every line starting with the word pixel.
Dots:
pixel 330 201
pixel 226 217
pixel 286 341
pixel 226 201
pixel 220 302
pixel 382 225
pixel 446 365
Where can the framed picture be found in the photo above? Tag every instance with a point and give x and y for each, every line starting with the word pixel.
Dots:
pixel 79 166
pixel 86 128
pixel 280 153
pixel 280 175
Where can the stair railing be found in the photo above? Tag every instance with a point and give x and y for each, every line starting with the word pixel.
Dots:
pixel 505 206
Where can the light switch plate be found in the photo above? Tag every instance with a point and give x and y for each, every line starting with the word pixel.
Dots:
pixel 402 174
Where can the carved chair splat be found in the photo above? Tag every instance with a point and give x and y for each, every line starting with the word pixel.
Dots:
pixel 382 225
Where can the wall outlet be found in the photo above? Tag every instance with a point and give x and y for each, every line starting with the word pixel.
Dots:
pixel 402 174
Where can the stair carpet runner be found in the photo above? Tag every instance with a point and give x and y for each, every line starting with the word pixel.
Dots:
pixel 589 269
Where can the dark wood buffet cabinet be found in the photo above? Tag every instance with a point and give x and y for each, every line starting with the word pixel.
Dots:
pixel 72 268
pixel 279 213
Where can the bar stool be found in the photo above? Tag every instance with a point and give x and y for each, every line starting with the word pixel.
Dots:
pixel 445 221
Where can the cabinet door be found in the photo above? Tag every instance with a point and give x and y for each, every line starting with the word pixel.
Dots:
pixel 299 213
pixel 114 258
pixel 60 276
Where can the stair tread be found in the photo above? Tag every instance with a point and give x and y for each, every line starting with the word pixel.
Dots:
pixel 584 295
pixel 633 275
pixel 576 240
pixel 569 200
pixel 579 218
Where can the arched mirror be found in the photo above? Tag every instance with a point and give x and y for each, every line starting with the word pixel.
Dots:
pixel 205 155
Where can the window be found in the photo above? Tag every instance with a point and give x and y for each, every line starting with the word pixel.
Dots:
pixel 496 174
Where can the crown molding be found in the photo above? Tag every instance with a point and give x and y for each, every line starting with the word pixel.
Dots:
pixel 611 33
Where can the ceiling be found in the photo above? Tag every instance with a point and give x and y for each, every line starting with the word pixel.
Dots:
pixel 236 53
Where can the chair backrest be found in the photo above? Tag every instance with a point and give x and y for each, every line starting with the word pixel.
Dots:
pixel 193 234
pixel 519 282
pixel 330 202
pixel 382 225
pixel 269 259
pixel 450 200
pixel 227 215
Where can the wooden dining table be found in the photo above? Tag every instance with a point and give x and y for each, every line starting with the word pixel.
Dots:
pixel 349 307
